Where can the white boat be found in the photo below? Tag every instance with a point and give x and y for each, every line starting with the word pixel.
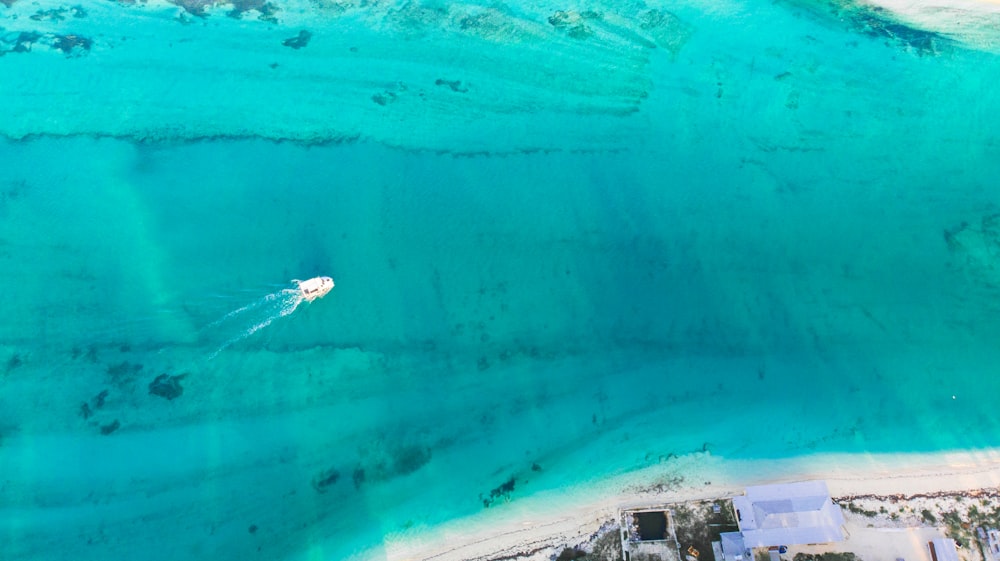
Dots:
pixel 316 287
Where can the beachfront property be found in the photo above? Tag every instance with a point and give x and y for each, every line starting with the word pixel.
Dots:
pixel 764 517
pixel 788 514
pixel 680 531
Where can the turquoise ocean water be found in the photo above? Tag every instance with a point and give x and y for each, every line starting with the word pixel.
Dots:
pixel 570 240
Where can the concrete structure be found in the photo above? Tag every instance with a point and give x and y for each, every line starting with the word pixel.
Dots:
pixel 788 514
pixel 649 533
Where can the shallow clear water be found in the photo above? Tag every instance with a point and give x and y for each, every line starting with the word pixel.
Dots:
pixel 567 245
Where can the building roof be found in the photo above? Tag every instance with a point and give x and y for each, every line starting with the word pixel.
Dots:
pixel 787 514
pixel 944 549
pixel 733 548
pixel 993 543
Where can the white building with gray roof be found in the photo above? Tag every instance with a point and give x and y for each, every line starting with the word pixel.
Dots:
pixel 788 514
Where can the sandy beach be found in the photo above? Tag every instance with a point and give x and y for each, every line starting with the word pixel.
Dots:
pixel 971 22
pixel 875 486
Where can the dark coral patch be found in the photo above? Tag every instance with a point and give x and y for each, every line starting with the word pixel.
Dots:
pixel 74 11
pixel 24 40
pixel 243 6
pixel 299 41
pixel 194 7
pixel 390 462
pixel 573 23
pixel 14 361
pixel 123 373
pixel 409 459
pixel 110 427
pixel 72 45
pixel 455 85
pixel 8 3
pixel 325 479
pixel 267 10
pixel 55 14
pixel 384 98
pixel 500 492
pixel 166 386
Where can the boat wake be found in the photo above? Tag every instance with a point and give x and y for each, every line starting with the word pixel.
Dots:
pixel 244 322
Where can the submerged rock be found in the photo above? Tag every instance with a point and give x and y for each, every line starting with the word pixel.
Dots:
pixel 299 41
pixel 455 85
pixel 72 44
pixel 123 373
pixel 501 492
pixel 325 479
pixel 975 249
pixel 167 386
pixel 110 427
pixel 14 361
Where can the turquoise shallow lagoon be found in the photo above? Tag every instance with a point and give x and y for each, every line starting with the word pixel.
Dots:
pixel 570 242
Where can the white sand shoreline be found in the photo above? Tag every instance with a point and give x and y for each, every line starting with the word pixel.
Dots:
pixel 972 22
pixel 540 526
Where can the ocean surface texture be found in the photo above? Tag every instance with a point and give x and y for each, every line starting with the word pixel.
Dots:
pixel 570 240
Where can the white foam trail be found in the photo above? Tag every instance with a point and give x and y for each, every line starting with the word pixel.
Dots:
pixel 255 316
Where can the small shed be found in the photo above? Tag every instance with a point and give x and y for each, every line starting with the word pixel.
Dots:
pixel 788 514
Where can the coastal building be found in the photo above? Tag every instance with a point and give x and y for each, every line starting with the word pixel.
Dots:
pixel 732 548
pixel 649 533
pixel 766 516
pixel 943 549
pixel 788 514
pixel 992 538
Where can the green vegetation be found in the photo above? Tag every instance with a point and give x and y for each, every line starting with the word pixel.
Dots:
pixel 955 527
pixel 698 525
pixel 858 510
pixel 984 517
pixel 928 517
